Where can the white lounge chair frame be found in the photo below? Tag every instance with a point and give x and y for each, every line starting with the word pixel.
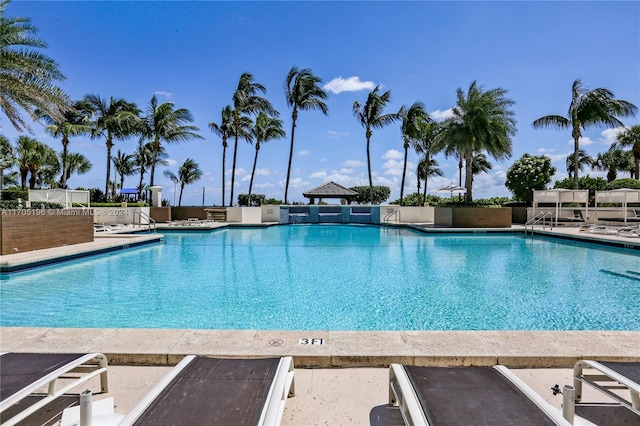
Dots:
pixel 86 365
pixel 281 387
pixel 402 394
pixel 605 380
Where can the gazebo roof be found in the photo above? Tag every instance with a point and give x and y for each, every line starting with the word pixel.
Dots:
pixel 330 190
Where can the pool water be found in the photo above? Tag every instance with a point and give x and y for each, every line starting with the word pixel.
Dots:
pixel 335 277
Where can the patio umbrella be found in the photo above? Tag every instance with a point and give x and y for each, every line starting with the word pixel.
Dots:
pixel 451 189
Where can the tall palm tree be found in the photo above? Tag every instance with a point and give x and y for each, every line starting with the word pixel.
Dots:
pixel 28 78
pixel 584 159
pixel 370 117
pixel 612 162
pixel 246 101
pixel 225 131
pixel 304 93
pixel 588 108
pixel 630 137
pixel 266 129
pixel 113 119
pixel 31 155
pixel 427 142
pixel 482 121
pixel 427 167
pixel 125 165
pixel 76 163
pixel 7 158
pixel 188 173
pixel 412 122
pixel 75 122
pixel 165 123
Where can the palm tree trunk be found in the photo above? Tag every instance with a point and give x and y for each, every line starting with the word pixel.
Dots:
pixel 34 176
pixel 141 180
pixel 181 189
pixel 65 166
pixel 154 158
pixel 224 158
pixel 253 171
pixel 294 116
pixel 109 145
pixel 233 168
pixel 469 176
pixel 368 134
pixel 404 172
pixel 24 172
pixel 576 154
pixel 426 177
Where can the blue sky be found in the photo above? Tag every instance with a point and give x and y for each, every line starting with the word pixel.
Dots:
pixel 193 53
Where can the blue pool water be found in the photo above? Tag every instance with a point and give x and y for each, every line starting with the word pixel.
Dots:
pixel 335 277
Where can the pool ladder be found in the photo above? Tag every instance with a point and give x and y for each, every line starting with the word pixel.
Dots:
pixel 394 214
pixel 543 218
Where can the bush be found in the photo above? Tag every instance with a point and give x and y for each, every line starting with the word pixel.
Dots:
pixel 380 194
pixel 273 201
pixel 256 199
pixel 623 183
pixel 585 182
pixel 529 173
pixel 14 193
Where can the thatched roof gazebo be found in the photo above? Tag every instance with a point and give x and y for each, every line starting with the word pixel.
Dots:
pixel 330 190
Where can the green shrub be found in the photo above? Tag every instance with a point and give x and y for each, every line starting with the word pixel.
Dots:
pixel 623 183
pixel 14 193
pixel 380 194
pixel 527 174
pixel 585 182
pixel 256 199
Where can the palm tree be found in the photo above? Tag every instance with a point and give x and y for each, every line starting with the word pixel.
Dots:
pixel 246 101
pixel 31 155
pixel 413 119
pixel 114 119
pixel 164 123
pixel 612 162
pixel 225 131
pixel 427 142
pixel 266 129
pixel 588 108
pixel 75 122
pixel 28 78
pixel 427 167
pixel 76 163
pixel 7 158
pixel 143 160
pixel 125 165
pixel 188 173
pixel 480 164
pixel 482 121
pixel 584 159
pixel 630 137
pixel 303 92
pixel 370 117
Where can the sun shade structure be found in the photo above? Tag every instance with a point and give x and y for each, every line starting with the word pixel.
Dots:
pixel 330 190
pixel 566 205
pixel 451 189
pixel 61 196
pixel 622 198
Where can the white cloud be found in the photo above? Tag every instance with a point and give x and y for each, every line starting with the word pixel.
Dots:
pixel 354 163
pixel 318 175
pixel 304 152
pixel 351 84
pixel 394 167
pixel 441 115
pixel 559 158
pixel 609 136
pixel 335 135
pixel 392 154
pixel 263 172
pixel 583 141
pixel 171 162
pixel 545 150
pixel 346 171
pixel 167 95
pixel 263 185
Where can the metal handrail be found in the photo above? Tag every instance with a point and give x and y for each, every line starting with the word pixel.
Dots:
pixel 149 219
pixel 387 218
pixel 537 219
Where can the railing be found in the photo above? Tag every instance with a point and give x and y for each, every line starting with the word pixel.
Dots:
pixel 387 218
pixel 540 218
pixel 142 215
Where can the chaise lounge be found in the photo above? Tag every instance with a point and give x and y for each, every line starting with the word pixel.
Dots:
pixel 22 375
pixel 467 395
pixel 211 391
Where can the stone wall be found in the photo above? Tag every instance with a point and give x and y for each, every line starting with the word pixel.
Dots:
pixel 473 217
pixel 160 214
pixel 33 229
pixel 184 213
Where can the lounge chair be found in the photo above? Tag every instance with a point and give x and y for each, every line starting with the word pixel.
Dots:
pixel 467 396
pixel 629 232
pixel 603 230
pixel 605 377
pixel 22 375
pixel 211 391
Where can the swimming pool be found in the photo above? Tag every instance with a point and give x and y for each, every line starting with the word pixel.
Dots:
pixel 335 277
